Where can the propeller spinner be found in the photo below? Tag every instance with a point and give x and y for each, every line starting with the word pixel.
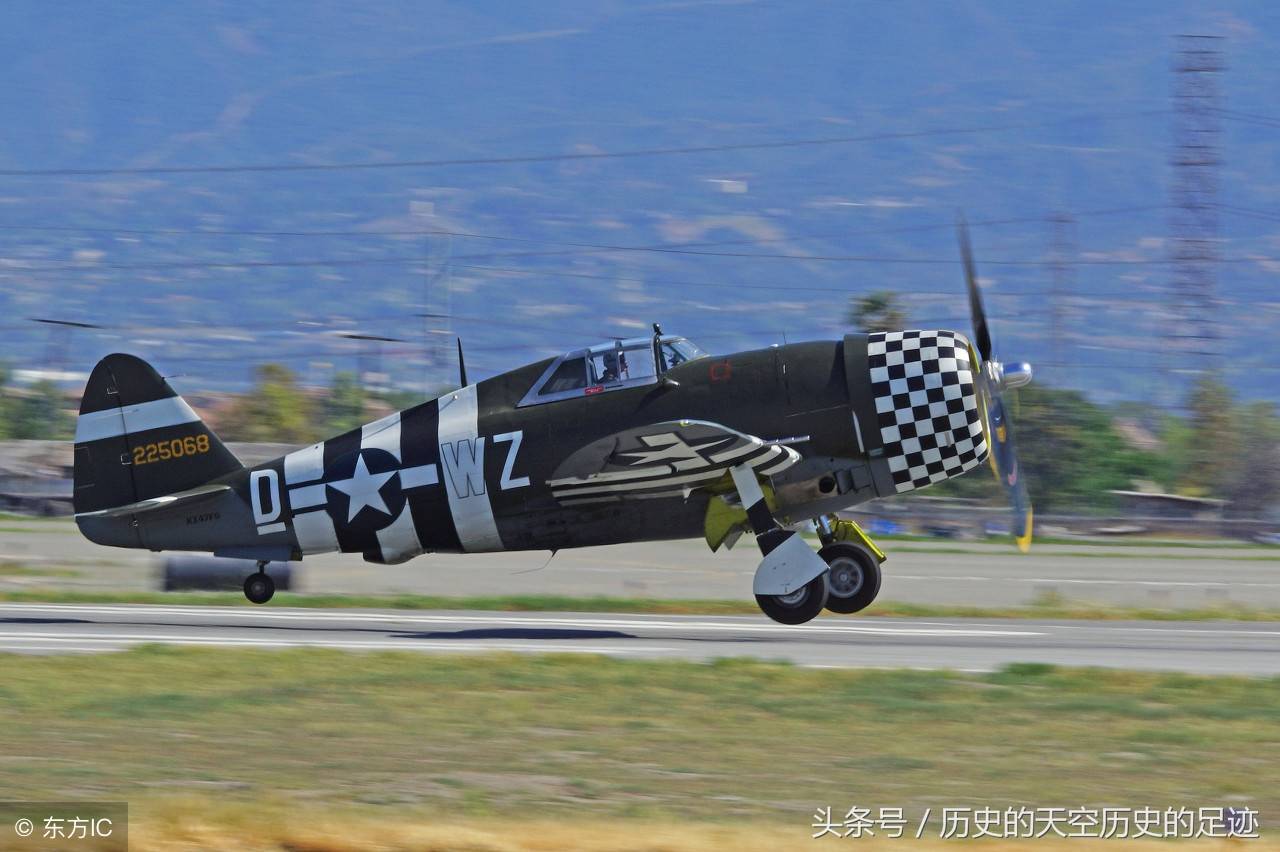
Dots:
pixel 992 380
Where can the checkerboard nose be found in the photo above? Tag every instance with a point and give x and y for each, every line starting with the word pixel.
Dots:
pixel 927 405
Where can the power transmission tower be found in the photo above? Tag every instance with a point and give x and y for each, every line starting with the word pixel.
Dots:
pixel 1062 283
pixel 1193 338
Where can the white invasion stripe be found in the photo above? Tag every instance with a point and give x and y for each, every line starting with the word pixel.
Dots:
pixel 766 454
pixel 472 513
pixel 790 458
pixel 382 434
pixel 417 477
pixel 399 540
pixel 307 496
pixel 315 532
pixel 304 465
pixel 141 417
pixel 632 486
pixel 590 486
pixel 729 455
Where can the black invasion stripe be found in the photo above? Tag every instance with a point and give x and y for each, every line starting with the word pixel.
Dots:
pixel 334 451
pixel 667 476
pixel 419 445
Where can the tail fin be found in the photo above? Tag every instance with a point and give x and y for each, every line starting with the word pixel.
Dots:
pixel 136 439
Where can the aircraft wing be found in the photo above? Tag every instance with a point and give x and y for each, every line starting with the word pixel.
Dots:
pixel 663 460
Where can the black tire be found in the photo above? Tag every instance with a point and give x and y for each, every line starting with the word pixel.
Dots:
pixel 854 579
pixel 798 607
pixel 259 588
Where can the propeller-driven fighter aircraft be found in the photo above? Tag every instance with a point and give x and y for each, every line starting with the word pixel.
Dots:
pixel 630 440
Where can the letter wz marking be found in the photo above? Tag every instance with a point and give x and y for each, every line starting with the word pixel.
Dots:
pixel 464 462
pixel 507 483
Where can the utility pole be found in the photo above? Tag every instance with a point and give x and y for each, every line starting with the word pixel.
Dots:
pixel 1062 255
pixel 1193 339
pixel 437 323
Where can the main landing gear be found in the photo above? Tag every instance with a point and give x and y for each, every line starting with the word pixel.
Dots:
pixel 798 606
pixel 259 587
pixel 850 583
pixel 853 560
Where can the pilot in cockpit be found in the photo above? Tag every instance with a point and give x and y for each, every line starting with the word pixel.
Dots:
pixel 615 366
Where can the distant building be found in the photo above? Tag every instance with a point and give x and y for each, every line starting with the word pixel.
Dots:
pixel 1158 504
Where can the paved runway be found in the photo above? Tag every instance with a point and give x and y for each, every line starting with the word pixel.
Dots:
pixel 1200 647
pixel 946 572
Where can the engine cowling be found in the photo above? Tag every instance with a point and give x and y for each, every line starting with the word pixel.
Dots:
pixel 927 409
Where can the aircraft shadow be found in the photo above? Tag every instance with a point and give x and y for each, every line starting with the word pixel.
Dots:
pixel 43 621
pixel 517 633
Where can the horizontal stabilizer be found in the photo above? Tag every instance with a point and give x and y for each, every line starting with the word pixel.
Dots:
pixel 183 500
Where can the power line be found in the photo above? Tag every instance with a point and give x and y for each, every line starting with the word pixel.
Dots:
pixel 77 266
pixel 666 247
pixel 1246 117
pixel 552 158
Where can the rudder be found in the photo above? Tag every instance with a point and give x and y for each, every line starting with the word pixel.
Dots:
pixel 137 439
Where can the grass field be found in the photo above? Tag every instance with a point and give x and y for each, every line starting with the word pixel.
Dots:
pixel 271 745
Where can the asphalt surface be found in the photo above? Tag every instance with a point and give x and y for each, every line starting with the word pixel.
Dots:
pixel 839 642
pixel 946 572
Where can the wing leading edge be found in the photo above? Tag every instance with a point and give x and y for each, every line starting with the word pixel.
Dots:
pixel 668 459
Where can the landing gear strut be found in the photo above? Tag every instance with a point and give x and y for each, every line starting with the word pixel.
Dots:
pixel 259 587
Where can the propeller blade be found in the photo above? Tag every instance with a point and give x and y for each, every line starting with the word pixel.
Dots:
pixel 992 379
pixel 981 333
pixel 1004 462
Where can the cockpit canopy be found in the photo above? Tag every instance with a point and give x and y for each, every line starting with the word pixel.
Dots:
pixel 610 366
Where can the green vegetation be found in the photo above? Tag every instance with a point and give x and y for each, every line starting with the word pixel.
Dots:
pixel 880 310
pixel 37 412
pixel 1074 454
pixel 1049 606
pixel 557 737
pixel 275 410
pixel 279 409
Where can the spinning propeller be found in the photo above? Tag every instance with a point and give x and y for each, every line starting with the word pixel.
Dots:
pixel 993 378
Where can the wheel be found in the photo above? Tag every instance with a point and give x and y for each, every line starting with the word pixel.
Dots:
pixel 259 588
pixel 798 606
pixel 854 579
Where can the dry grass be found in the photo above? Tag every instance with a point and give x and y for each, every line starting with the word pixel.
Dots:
pixel 204 828
pixel 323 750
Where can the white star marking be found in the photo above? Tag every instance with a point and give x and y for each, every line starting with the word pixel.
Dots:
pixel 363 489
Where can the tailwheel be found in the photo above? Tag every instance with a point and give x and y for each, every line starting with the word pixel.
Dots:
pixel 853 578
pixel 799 606
pixel 259 587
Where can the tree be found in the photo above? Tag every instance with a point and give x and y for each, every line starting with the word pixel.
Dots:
pixel 1212 441
pixel 1253 485
pixel 344 409
pixel 39 414
pixel 878 311
pixel 275 410
pixel 1068 451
